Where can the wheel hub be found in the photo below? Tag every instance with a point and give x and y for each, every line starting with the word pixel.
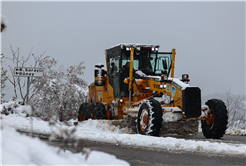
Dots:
pixel 210 120
pixel 144 119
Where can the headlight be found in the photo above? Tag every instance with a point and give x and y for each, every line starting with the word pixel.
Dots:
pixel 163 86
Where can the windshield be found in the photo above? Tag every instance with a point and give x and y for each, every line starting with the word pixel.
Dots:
pixel 157 62
pixel 151 63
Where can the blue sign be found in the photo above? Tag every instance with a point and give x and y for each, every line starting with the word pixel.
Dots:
pixel 173 91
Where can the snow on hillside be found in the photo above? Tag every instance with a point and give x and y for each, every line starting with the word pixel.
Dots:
pixel 103 131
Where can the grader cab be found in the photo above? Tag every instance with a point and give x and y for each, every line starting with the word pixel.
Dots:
pixel 139 83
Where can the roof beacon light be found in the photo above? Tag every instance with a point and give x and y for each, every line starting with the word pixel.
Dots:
pixel 156 49
pixel 185 78
pixel 162 77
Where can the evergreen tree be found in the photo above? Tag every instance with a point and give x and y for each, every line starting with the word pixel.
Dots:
pixel 3 78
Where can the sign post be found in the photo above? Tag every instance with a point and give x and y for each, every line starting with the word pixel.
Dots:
pixel 28 72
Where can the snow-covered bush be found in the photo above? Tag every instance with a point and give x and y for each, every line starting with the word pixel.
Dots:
pixel 59 92
pixel 11 106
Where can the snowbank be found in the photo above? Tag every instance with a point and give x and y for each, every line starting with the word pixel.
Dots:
pixel 11 105
pixel 20 149
pixel 103 131
pixel 235 131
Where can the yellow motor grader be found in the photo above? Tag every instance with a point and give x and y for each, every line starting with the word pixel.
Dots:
pixel 139 82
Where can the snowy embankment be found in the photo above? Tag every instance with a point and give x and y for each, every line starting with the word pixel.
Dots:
pixel 20 149
pixel 103 131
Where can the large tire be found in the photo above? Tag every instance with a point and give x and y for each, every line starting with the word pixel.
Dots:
pixel 149 121
pixel 216 123
pixel 98 110
pixel 84 112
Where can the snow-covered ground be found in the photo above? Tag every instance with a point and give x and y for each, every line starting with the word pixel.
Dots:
pixel 20 149
pixel 103 131
pixel 17 149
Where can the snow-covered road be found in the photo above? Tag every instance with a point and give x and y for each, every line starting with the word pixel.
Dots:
pixel 103 131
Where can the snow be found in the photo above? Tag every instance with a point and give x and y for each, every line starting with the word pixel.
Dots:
pixel 177 81
pixel 180 83
pixel 135 45
pixel 140 73
pixel 24 109
pixel 104 131
pixel 81 89
pixel 235 131
pixel 20 149
pixel 13 103
pixel 171 117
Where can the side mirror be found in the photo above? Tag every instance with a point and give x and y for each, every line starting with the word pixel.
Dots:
pixel 164 63
pixel 112 62
pixel 113 67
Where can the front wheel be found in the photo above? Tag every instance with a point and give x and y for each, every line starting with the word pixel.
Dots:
pixel 149 121
pixel 216 123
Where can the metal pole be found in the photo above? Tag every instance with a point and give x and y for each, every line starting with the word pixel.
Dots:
pixel 131 73
pixel 130 97
pixel 27 95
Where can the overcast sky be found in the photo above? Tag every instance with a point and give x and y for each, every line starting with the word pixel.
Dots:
pixel 209 37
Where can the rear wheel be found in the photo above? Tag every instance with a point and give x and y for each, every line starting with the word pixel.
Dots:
pixel 98 110
pixel 84 112
pixel 149 121
pixel 216 123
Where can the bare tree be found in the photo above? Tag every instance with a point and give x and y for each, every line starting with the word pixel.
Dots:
pixel 235 108
pixel 4 78
pixel 19 83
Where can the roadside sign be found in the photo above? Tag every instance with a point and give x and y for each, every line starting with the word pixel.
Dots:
pixel 28 72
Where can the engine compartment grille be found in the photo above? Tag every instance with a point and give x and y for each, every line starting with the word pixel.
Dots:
pixel 191 99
